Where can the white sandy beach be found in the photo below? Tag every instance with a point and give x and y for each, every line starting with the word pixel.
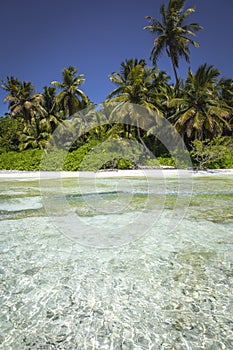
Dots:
pixel 159 173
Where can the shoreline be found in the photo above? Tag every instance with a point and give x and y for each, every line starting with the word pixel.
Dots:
pixel 160 172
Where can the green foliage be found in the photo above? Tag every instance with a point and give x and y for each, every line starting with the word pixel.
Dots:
pixel 92 156
pixel 26 160
pixel 200 107
pixel 52 160
pixel 123 164
pixel 9 134
pixel 71 98
pixel 113 153
pixel 74 159
pixel 200 113
pixel 23 101
pixel 216 153
pixel 118 154
pixel 138 85
pixel 173 33
pixel 161 161
pixel 178 158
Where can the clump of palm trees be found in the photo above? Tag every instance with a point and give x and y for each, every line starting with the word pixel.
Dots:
pixel 41 113
pixel 201 112
pixel 200 106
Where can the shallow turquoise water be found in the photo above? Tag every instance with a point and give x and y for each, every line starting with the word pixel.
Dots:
pixel 165 289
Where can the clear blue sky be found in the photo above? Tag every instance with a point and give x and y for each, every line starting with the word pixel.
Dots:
pixel 39 38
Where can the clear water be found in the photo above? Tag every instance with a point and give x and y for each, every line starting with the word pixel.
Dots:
pixel 163 290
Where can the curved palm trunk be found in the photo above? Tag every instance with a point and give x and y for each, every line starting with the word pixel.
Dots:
pixel 141 140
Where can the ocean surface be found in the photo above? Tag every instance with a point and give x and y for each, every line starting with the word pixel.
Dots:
pixel 116 263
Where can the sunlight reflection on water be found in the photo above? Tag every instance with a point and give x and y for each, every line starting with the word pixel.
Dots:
pixel 165 290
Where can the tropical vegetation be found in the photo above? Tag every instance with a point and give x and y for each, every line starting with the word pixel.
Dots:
pixel 199 106
pixel 174 35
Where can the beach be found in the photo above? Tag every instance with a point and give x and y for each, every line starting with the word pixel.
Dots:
pixel 160 172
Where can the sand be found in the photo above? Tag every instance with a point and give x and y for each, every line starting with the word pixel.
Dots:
pixel 160 173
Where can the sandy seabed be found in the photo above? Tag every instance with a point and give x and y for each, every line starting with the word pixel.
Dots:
pixel 160 173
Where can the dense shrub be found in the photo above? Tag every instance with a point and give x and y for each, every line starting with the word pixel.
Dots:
pixel 92 156
pixel 74 159
pixel 114 153
pixel 119 154
pixel 161 161
pixel 26 160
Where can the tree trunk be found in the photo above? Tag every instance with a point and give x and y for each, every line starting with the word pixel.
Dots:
pixel 175 73
pixel 173 66
pixel 141 140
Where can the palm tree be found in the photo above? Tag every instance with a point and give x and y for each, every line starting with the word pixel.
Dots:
pixel 53 116
pixel 71 98
pixel 23 101
pixel 225 87
pixel 200 113
pixel 173 34
pixel 137 85
pixel 34 137
pixel 49 98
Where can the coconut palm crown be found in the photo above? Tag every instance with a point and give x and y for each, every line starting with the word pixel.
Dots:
pixel 24 102
pixel 200 112
pixel 173 34
pixel 71 98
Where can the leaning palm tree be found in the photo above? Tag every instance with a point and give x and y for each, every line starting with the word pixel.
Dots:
pixel 200 113
pixel 173 34
pixel 71 98
pixel 23 101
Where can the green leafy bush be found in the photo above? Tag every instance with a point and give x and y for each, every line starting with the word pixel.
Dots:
pixel 26 160
pixel 113 153
pixel 120 154
pixel 124 164
pixel 213 154
pixel 161 161
pixel 52 160
pixel 74 159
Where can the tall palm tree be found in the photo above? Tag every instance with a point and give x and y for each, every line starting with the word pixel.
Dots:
pixel 200 112
pixel 71 98
pixel 173 34
pixel 23 101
